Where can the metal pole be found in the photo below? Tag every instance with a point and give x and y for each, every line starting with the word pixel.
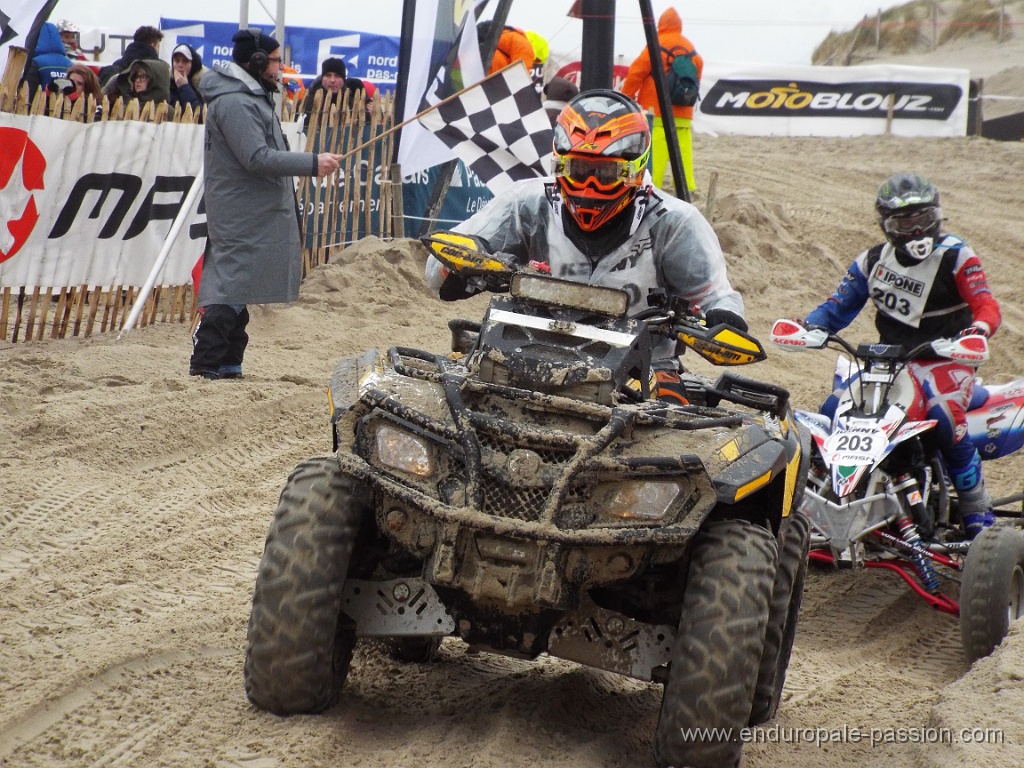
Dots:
pixel 243 14
pixel 161 259
pixel 279 26
pixel 668 118
pixel 597 62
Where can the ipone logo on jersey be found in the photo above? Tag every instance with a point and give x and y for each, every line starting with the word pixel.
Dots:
pixel 786 98
pixel 18 151
pixel 898 281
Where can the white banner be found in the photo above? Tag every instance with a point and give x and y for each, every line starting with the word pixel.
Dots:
pixel 93 204
pixel 776 100
pixel 18 18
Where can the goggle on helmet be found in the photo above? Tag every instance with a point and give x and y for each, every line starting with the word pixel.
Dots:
pixel 602 145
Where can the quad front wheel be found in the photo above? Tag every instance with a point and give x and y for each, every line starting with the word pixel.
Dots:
pixel 992 590
pixel 788 591
pixel 300 643
pixel 718 649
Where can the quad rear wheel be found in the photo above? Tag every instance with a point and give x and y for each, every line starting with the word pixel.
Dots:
pixel 299 642
pixel 718 649
pixel 992 590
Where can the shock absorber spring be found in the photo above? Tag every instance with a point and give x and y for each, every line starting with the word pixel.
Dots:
pixel 908 531
pixel 908 488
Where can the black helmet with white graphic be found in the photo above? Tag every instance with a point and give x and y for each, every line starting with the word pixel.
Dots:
pixel 909 213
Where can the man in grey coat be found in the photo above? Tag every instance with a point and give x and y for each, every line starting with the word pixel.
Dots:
pixel 253 254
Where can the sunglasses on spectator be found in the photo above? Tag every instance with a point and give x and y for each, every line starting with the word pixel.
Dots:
pixel 274 58
pixel 140 76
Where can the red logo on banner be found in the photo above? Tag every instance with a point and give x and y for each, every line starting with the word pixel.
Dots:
pixel 16 148
pixel 571 72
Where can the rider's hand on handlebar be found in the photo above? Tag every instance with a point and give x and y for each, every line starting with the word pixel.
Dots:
pixel 715 317
pixel 973 330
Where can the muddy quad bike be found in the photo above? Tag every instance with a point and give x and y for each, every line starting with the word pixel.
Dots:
pixel 526 494
pixel 879 495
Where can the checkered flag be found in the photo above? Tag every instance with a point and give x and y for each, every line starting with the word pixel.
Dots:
pixel 497 127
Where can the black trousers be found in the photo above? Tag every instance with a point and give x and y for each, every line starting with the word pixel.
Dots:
pixel 219 340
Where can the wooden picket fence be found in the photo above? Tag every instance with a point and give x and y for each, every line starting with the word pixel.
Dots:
pixel 355 129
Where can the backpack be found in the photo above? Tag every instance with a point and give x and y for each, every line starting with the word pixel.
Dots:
pixel 681 78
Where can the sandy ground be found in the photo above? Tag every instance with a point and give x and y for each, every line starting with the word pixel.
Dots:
pixel 134 502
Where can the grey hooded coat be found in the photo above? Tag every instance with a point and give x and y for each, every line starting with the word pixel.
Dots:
pixel 253 254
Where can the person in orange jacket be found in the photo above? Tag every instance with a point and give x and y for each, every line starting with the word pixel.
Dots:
pixel 513 45
pixel 640 85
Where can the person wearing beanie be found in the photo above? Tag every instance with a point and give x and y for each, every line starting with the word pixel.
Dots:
pixel 186 72
pixel 253 251
pixel 331 81
pixel 557 92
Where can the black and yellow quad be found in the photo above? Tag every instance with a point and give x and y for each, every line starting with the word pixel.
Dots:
pixel 526 494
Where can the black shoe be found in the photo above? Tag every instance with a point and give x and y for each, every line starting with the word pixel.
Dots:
pixel 204 372
pixel 230 372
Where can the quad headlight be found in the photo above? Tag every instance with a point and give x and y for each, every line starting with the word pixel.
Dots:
pixel 404 451
pixel 636 501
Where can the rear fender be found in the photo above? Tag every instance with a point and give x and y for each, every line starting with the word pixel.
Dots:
pixel 996 427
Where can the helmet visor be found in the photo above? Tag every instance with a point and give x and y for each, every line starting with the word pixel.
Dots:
pixel 912 223
pixel 606 171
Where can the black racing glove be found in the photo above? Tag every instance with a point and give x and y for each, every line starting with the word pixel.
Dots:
pixel 715 317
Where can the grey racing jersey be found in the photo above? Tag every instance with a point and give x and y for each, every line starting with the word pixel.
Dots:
pixel 671 246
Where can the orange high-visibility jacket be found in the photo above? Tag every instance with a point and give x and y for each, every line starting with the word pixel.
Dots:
pixel 639 84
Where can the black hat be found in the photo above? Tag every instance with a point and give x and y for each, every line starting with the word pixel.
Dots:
pixel 337 66
pixel 247 42
pixel 560 89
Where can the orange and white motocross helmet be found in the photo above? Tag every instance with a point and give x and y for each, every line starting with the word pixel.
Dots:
pixel 602 144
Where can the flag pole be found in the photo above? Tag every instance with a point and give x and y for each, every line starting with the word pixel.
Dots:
pixel 161 259
pixel 432 107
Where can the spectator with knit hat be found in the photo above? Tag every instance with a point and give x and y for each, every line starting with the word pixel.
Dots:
pixel 253 251
pixel 557 93
pixel 331 81
pixel 186 71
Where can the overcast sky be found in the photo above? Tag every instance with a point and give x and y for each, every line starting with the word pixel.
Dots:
pixel 783 31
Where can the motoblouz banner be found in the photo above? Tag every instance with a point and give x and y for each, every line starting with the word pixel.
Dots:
pixel 366 56
pixel 93 204
pixel 772 100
